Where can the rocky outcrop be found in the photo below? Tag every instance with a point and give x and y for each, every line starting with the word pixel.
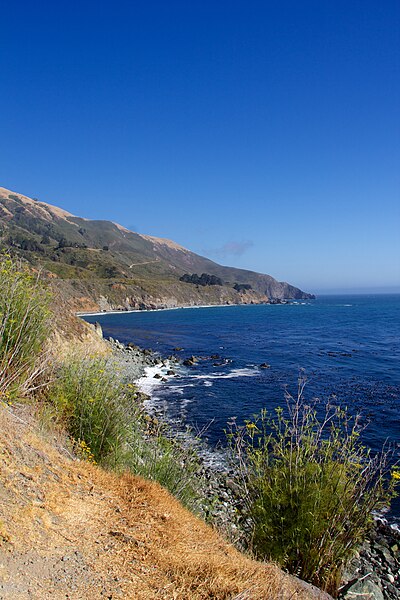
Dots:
pixel 374 571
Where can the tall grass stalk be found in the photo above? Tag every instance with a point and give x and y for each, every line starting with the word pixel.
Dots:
pixel 24 328
pixel 158 457
pixel 309 487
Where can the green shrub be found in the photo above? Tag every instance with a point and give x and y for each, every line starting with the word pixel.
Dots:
pixel 24 327
pixel 90 400
pixel 309 488
pixel 109 427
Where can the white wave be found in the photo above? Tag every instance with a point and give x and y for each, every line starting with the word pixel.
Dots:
pixel 185 402
pixel 148 381
pixel 231 375
pixel 179 390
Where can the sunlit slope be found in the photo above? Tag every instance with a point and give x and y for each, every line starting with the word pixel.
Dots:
pixel 76 249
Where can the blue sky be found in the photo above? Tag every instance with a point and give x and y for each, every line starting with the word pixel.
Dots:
pixel 263 134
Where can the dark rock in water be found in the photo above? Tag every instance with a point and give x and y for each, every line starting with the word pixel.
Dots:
pixel 173 358
pixel 265 366
pixel 189 362
pixel 157 376
pixel 177 349
pixel 277 301
pixel 171 372
pixel 215 357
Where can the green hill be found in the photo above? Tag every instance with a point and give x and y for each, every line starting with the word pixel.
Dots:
pixel 101 265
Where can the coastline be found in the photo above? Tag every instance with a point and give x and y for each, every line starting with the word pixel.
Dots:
pixel 147 370
pixel 274 302
pixel 142 310
pixel 373 567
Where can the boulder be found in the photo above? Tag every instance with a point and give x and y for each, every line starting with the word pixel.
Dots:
pixel 364 589
pixel 189 362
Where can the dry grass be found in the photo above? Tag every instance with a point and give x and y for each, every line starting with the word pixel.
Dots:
pixel 71 530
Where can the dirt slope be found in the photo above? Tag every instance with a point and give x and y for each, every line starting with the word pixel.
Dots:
pixel 70 530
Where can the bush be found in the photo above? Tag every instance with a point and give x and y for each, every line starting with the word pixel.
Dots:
pixel 92 404
pixel 24 327
pixel 109 427
pixel 309 488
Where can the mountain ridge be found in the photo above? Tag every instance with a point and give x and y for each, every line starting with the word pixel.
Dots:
pixel 102 265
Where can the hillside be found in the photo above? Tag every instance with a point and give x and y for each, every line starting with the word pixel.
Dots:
pixel 68 529
pixel 100 265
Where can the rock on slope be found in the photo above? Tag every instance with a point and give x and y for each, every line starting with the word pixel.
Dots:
pixel 70 530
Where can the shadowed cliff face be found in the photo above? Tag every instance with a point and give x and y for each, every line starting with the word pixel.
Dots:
pixel 105 266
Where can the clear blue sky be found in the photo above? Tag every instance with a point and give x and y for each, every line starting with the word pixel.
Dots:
pixel 263 134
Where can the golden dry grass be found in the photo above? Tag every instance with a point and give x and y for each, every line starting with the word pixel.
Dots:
pixel 71 530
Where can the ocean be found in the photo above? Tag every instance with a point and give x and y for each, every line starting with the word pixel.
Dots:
pixel 346 347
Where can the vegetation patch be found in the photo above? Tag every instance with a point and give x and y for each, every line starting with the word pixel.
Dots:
pixel 309 487
pixel 203 279
pixel 24 328
pixel 90 401
pixel 108 426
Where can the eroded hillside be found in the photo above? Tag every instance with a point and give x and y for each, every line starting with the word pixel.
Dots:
pixel 71 530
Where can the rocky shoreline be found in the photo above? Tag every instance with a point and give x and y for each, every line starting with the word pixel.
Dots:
pixel 374 571
pixel 150 306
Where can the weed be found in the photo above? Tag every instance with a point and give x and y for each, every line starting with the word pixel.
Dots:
pixel 159 457
pixel 309 487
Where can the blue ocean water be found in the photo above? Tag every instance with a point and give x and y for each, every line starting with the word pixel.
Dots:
pixel 346 346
